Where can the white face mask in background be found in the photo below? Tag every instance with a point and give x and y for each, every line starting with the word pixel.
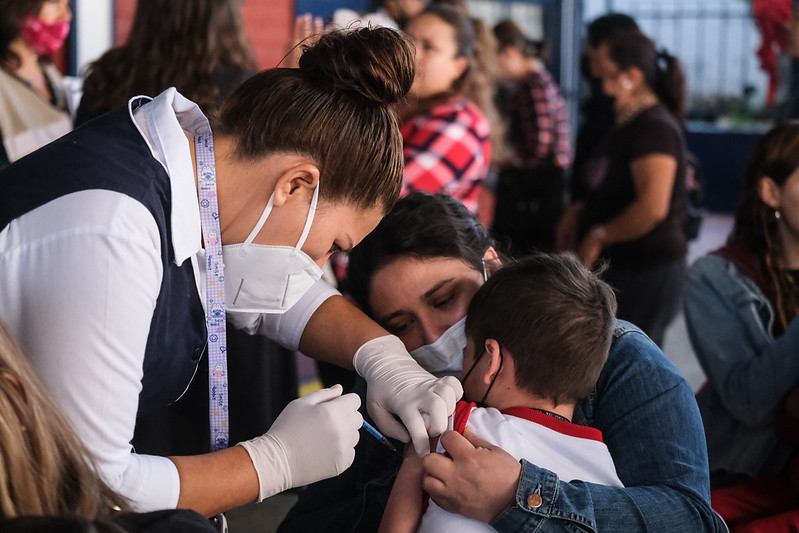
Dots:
pixel 445 356
pixel 262 278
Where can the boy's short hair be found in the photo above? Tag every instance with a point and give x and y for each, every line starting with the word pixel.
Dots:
pixel 554 317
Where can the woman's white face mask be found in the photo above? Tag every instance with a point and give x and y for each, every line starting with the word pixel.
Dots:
pixel 263 278
pixel 445 356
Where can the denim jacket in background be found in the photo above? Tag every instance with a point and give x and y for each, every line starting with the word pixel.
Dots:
pixel 650 423
pixel 749 371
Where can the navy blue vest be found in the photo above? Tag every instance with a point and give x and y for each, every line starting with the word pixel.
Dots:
pixel 109 153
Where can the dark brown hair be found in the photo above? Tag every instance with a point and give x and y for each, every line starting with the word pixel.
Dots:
pixel 422 226
pixel 14 12
pixel 603 28
pixel 776 155
pixel 509 34
pixel 554 317
pixel 188 45
pixel 335 109
pixel 662 72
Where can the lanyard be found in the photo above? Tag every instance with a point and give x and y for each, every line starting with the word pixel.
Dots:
pixel 214 292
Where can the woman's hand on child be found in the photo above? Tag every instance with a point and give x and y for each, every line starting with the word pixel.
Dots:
pixel 475 479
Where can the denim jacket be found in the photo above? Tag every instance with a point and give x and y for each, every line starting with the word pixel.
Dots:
pixel 651 425
pixel 749 371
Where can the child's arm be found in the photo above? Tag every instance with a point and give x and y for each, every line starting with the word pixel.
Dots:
pixel 405 505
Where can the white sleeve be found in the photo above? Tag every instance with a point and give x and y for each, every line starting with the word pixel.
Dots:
pixel 287 328
pixel 79 279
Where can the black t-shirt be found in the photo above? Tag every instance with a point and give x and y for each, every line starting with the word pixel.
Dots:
pixel 654 131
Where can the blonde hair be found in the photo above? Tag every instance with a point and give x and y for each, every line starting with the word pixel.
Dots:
pixel 44 468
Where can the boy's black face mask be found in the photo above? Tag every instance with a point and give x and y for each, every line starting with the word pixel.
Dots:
pixel 482 403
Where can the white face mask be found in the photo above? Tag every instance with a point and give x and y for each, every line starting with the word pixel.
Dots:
pixel 445 356
pixel 263 278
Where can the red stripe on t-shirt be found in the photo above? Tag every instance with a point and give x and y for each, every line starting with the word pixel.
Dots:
pixel 461 416
pixel 561 426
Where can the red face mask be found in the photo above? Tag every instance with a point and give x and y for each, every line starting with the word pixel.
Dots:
pixel 44 38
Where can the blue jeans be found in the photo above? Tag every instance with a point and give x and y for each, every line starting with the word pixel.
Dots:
pixel 650 423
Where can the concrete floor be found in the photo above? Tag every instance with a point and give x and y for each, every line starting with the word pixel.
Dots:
pixel 266 516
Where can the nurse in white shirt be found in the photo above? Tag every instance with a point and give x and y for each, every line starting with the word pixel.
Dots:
pixel 123 245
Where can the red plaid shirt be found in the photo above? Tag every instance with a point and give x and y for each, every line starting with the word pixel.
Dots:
pixel 539 126
pixel 447 150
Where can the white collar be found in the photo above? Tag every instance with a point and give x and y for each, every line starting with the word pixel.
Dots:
pixel 162 122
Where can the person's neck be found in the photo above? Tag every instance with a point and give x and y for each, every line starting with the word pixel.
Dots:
pixel 509 397
pixel 28 59
pixel 534 64
pixel 530 66
pixel 28 68
pixel 229 209
pixel 632 106
pixel 412 106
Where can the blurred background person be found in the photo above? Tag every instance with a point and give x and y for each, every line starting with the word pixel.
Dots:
pixel 741 306
pixel 530 192
pixel 598 116
pixel 33 103
pixel 633 218
pixel 199 47
pixel 446 137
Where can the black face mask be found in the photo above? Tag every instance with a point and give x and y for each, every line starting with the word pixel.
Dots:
pixel 482 403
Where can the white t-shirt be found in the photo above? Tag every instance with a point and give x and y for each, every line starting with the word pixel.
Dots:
pixel 88 345
pixel 569 450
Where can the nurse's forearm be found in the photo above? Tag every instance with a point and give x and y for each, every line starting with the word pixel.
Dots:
pixel 216 482
pixel 336 330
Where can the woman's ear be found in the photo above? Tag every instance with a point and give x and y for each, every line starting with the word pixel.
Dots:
pixel 635 76
pixel 296 181
pixel 491 261
pixel 462 64
pixel 769 192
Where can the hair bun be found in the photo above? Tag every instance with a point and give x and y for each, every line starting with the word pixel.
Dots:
pixel 376 63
